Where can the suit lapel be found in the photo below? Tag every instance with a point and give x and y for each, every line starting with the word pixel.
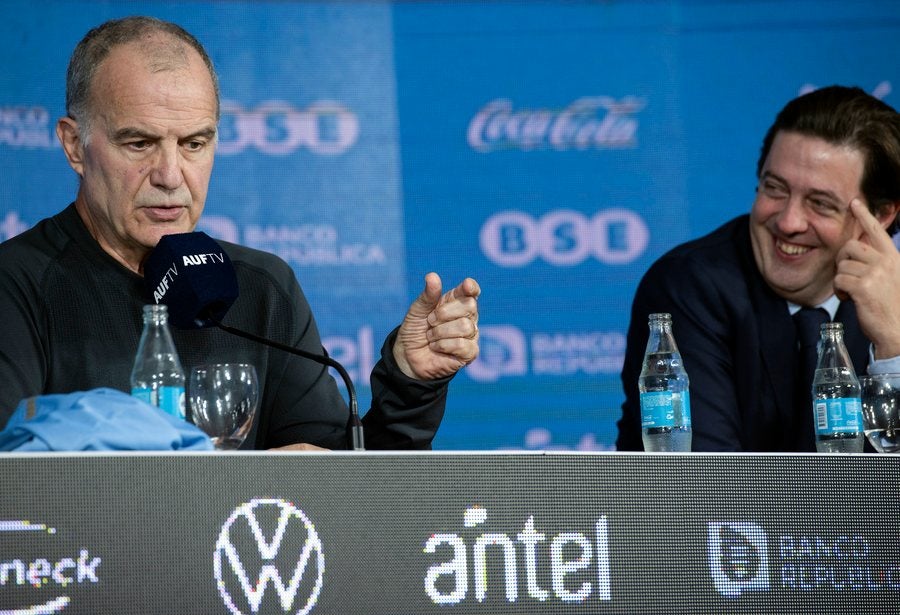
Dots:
pixel 777 336
pixel 778 342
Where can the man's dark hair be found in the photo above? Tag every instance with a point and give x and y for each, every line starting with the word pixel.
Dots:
pixel 848 116
pixel 98 42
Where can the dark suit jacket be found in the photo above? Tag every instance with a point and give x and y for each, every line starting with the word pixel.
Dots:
pixel 737 341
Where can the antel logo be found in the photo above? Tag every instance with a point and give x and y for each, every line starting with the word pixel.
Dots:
pixel 268 537
pixel 577 563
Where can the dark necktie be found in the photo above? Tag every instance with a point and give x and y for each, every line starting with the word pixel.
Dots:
pixel 808 322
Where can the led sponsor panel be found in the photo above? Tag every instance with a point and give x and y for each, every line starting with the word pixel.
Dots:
pixel 446 533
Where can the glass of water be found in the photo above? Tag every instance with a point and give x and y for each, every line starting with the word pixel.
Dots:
pixel 222 400
pixel 881 411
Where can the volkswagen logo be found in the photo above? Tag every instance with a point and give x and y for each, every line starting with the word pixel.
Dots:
pixel 269 542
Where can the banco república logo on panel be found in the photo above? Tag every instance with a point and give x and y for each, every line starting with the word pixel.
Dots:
pixel 269 558
pixel 738 558
pixel 744 558
pixel 37 575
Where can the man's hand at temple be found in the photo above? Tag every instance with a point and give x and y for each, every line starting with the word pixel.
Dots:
pixel 439 334
pixel 868 271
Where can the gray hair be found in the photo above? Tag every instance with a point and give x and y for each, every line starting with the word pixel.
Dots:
pixel 97 44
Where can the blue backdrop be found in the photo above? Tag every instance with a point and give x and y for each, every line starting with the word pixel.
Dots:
pixel 550 150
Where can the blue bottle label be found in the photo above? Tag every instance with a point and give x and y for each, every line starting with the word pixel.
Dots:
pixel 686 408
pixel 665 409
pixel 171 400
pixel 168 399
pixel 838 415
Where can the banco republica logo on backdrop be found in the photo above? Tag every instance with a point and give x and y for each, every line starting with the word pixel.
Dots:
pixel 503 353
pixel 277 128
pixel 26 127
pixel 269 558
pixel 314 244
pixel 507 352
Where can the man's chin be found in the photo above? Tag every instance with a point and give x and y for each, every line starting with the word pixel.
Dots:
pixel 801 293
pixel 150 241
pixel 169 228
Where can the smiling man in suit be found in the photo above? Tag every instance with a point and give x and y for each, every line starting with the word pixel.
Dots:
pixel 817 236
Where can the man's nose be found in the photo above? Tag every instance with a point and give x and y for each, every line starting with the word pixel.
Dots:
pixel 167 172
pixel 792 219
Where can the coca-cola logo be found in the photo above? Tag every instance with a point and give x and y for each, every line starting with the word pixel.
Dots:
pixel 591 122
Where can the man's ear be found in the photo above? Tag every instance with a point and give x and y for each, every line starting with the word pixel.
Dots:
pixel 887 212
pixel 70 139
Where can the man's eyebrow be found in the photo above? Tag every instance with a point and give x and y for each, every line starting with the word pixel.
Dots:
pixel 206 133
pixel 132 133
pixel 814 192
pixel 829 195
pixel 769 175
pixel 137 133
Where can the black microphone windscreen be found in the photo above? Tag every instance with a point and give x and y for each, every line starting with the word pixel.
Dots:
pixel 193 276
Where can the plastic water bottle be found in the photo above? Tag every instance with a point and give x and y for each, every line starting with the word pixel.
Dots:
pixel 157 377
pixel 837 407
pixel 665 394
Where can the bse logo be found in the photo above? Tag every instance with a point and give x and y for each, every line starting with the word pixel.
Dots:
pixel 276 128
pixel 564 237
pixel 738 558
pixel 271 536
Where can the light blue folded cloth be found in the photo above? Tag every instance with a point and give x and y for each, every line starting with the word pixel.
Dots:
pixel 97 420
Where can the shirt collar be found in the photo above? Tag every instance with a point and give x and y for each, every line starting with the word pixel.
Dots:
pixel 830 305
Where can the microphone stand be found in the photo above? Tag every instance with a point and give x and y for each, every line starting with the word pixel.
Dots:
pixel 354 424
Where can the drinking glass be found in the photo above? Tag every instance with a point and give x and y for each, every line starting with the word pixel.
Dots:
pixel 881 411
pixel 222 399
